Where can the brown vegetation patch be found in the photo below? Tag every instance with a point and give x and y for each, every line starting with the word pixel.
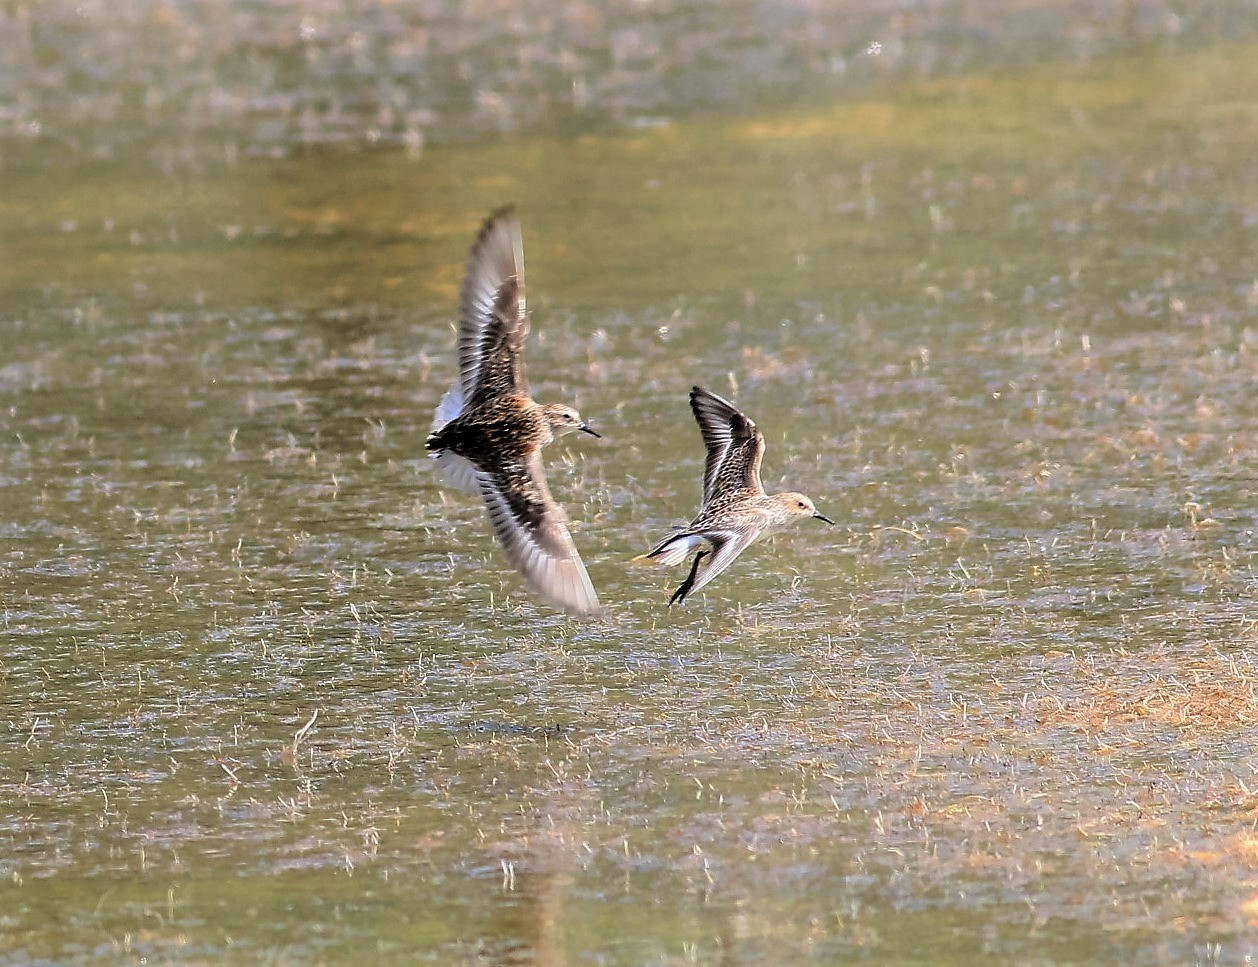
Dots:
pixel 1206 691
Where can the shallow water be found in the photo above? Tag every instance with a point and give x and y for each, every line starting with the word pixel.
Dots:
pixel 999 327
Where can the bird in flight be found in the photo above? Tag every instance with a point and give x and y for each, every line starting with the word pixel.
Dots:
pixel 735 511
pixel 488 432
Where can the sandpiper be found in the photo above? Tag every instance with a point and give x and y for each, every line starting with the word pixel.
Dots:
pixel 735 511
pixel 488 431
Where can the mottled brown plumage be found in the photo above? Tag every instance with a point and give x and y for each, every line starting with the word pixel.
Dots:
pixel 488 432
pixel 735 511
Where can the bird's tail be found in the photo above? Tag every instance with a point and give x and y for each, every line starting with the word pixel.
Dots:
pixel 455 470
pixel 672 551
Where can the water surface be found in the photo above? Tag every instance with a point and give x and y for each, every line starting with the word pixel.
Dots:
pixel 271 692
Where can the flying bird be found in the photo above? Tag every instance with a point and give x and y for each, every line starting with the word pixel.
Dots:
pixel 735 511
pixel 488 432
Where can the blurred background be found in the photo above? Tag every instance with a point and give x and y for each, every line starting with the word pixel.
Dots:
pixel 198 82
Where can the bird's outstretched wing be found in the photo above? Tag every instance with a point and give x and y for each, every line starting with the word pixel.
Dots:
pixel 735 449
pixel 493 321
pixel 726 546
pixel 531 528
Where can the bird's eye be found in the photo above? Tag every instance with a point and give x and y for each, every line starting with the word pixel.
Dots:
pixel 801 505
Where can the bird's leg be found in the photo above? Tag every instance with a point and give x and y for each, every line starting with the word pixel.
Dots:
pixel 680 594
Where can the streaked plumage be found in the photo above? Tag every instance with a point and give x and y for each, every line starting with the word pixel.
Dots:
pixel 488 432
pixel 735 511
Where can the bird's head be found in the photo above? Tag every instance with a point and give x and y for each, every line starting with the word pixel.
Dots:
pixel 797 505
pixel 564 419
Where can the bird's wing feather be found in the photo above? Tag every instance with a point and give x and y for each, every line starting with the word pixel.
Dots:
pixel 493 321
pixel 726 546
pixel 531 528
pixel 458 472
pixel 449 408
pixel 735 446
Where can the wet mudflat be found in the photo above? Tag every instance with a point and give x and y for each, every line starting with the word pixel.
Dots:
pixel 270 692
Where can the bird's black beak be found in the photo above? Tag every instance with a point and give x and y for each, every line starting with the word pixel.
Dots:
pixel 585 428
pixel 820 516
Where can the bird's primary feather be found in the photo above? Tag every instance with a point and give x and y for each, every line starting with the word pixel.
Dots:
pixel 493 319
pixel 735 447
pixel 532 530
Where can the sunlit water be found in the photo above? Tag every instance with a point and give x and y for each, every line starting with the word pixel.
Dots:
pixel 270 691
